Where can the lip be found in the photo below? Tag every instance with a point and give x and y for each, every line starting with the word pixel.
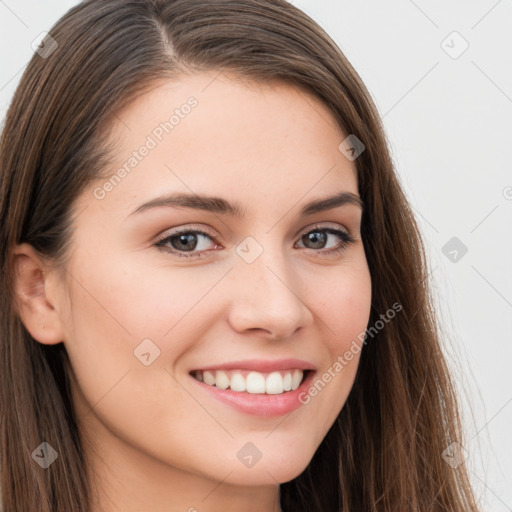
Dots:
pixel 257 404
pixel 261 365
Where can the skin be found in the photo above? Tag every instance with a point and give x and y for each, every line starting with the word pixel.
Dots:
pixel 149 430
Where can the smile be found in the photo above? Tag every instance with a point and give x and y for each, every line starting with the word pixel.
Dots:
pixel 244 381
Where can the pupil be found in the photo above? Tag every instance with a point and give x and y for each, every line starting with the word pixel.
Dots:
pixel 316 237
pixel 185 238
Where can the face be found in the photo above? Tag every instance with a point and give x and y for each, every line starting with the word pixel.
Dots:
pixel 252 291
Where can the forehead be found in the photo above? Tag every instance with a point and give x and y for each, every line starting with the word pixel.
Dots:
pixel 215 134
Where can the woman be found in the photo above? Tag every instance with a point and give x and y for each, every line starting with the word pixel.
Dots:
pixel 215 291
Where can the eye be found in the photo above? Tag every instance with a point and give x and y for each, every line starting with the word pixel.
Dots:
pixel 195 241
pixel 319 236
pixel 190 240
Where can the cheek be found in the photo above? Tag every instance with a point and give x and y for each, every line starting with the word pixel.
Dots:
pixel 115 315
pixel 341 299
pixel 132 302
pixel 342 306
pixel 119 322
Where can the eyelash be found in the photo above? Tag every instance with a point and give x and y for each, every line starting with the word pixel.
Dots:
pixel 346 238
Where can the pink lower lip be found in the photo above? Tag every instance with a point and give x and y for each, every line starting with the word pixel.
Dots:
pixel 259 404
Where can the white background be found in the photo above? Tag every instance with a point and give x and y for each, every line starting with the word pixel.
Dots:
pixel 449 126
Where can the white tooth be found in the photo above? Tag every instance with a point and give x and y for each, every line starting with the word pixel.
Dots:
pixel 208 378
pixel 274 384
pixel 198 376
pixel 221 380
pixel 287 381
pixel 255 383
pixel 237 382
pixel 296 379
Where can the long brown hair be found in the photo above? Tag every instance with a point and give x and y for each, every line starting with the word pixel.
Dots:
pixel 384 451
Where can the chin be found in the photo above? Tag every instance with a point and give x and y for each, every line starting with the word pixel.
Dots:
pixel 270 470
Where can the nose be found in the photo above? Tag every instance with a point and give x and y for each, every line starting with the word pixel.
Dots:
pixel 267 296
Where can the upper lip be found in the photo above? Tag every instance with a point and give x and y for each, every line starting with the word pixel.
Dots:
pixel 261 365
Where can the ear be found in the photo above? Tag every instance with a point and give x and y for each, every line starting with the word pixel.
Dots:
pixel 35 296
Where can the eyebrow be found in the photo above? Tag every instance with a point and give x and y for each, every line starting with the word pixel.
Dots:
pixel 222 206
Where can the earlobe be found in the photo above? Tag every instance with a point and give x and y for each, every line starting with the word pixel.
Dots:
pixel 32 303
